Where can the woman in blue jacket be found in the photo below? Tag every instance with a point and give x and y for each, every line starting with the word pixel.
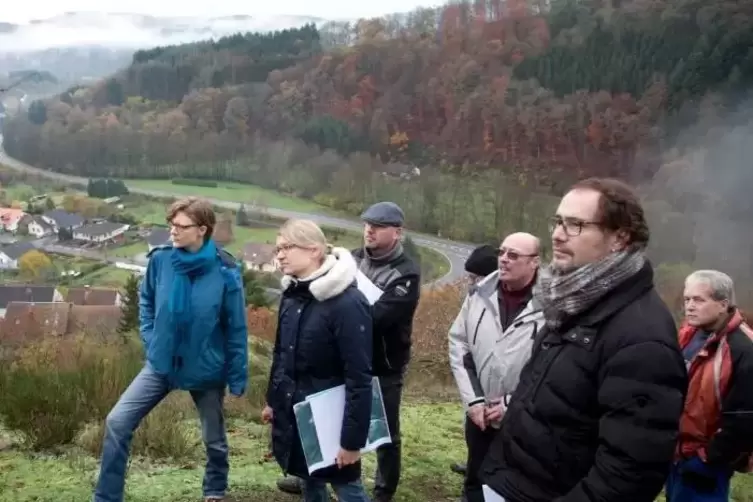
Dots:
pixel 193 326
pixel 323 340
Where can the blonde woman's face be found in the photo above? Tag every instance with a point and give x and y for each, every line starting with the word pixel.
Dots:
pixel 295 260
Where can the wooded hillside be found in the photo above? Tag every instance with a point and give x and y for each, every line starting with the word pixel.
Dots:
pixel 489 91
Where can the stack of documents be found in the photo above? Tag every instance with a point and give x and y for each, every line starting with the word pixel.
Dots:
pixel 320 420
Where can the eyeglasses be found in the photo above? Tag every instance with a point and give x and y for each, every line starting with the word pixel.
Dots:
pixel 572 227
pixel 180 227
pixel 514 255
pixel 287 247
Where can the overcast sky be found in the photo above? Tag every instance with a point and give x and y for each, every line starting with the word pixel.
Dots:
pixel 19 11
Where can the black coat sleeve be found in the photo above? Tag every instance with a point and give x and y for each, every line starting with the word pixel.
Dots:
pixel 735 436
pixel 353 327
pixel 275 358
pixel 642 391
pixel 397 304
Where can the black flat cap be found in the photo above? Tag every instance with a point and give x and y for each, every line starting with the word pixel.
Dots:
pixel 482 261
pixel 386 214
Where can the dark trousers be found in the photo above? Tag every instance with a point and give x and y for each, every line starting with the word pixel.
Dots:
pixel 388 456
pixel 478 442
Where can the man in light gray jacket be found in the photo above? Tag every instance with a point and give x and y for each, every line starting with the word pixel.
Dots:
pixel 490 342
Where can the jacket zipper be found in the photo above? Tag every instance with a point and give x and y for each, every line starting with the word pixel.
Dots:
pixel 545 347
pixel 478 325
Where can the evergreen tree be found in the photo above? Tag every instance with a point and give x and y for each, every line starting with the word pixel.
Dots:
pixel 256 294
pixel 130 306
pixel 241 217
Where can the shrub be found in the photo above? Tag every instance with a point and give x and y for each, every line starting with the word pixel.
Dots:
pixel 262 323
pixel 196 183
pixel 51 389
pixel 259 366
pixel 163 434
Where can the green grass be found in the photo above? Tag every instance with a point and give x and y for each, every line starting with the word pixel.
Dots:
pixel 438 263
pixel 433 439
pixel 234 192
pixel 129 250
pixel 107 276
pixel 146 210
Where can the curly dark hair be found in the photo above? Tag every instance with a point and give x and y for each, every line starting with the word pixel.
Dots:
pixel 620 209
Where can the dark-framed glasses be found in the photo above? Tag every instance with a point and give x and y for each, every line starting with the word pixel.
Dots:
pixel 572 226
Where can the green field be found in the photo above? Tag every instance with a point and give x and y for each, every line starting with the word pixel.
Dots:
pixel 107 276
pixel 234 192
pixel 432 440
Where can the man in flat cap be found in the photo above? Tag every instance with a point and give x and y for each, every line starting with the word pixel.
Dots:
pixel 383 261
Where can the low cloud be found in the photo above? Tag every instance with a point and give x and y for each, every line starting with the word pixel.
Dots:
pixel 133 31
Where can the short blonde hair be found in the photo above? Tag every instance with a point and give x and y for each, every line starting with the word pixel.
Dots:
pixel 306 234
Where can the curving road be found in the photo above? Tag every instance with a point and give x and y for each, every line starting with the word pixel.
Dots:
pixel 455 252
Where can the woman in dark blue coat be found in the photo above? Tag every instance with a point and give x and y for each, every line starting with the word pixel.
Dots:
pixel 323 340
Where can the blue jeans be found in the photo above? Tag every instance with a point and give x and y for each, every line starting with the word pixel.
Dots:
pixel 146 391
pixel 693 481
pixel 316 491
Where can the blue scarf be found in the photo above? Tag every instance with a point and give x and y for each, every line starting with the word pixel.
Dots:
pixel 186 266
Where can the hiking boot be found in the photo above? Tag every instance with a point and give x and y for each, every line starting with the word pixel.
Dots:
pixel 291 485
pixel 458 468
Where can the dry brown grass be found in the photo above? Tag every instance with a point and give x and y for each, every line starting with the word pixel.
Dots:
pixel 262 323
pixel 429 374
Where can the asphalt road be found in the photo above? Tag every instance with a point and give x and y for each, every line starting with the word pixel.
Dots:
pixel 455 252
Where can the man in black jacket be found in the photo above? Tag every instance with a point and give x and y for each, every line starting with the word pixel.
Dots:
pixel 384 263
pixel 595 416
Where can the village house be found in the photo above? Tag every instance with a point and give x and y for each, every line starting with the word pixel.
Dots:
pixel 9 218
pixel 93 296
pixel 158 237
pixel 259 256
pixel 37 226
pixel 26 322
pixel 57 218
pixel 100 232
pixel 27 293
pixel 9 255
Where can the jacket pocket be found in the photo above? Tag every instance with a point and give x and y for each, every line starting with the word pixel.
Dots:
pixel 210 361
pixel 160 349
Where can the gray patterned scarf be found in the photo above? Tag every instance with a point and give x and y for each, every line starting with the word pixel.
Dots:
pixel 563 295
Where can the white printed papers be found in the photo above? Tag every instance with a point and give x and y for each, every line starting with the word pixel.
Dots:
pixel 370 290
pixel 320 418
pixel 490 495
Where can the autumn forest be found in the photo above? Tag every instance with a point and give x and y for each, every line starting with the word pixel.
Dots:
pixel 471 115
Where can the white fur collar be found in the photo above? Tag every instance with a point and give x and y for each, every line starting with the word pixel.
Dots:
pixel 336 273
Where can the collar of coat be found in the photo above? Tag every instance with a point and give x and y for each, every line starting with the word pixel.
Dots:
pixel 334 276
